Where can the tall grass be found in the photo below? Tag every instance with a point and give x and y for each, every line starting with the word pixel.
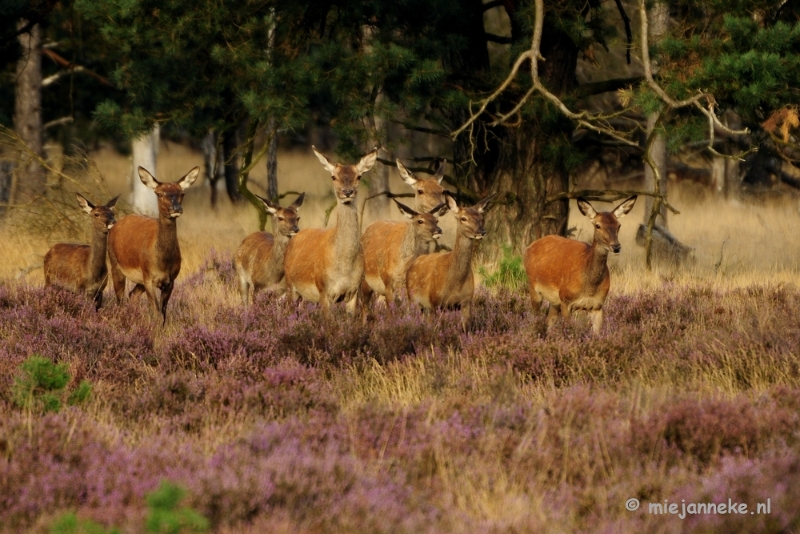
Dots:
pixel 275 421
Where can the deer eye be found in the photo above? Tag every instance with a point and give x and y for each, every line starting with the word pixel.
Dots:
pixel 597 226
pixel 420 221
pixel 420 191
pixel 280 218
pixel 97 215
pixel 464 219
pixel 298 219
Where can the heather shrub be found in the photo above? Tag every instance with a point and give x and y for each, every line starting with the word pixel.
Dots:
pixel 39 386
pixel 703 430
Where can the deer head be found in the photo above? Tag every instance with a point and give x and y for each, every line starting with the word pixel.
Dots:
pixel 170 196
pixel 606 224
pixel 102 216
pixel 347 177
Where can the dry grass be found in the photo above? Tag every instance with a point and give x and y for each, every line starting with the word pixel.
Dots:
pixel 690 392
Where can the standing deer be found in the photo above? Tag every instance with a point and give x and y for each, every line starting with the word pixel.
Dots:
pixel 572 275
pixel 259 259
pixel 145 250
pixel 389 246
pixel 82 268
pixel 326 265
pixel 445 279
pixel 428 192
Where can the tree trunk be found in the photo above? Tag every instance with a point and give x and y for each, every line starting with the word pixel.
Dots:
pixel 31 179
pixel 658 17
pixel 214 162
pixel 145 154
pixel 523 175
pixel 229 144
pixel 272 160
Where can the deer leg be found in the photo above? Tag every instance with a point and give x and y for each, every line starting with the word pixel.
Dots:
pixel 118 280
pixel 366 293
pixel 352 303
pixel 597 320
pixel 244 290
pixel 166 292
pixel 137 290
pixel 466 312
pixel 150 289
pixel 552 314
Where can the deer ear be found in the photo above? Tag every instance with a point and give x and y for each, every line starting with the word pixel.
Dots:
pixel 439 210
pixel 407 212
pixel 298 201
pixel 440 171
pixel 272 208
pixel 367 161
pixel 113 202
pixel 148 179
pixel 451 203
pixel 83 203
pixel 189 179
pixel 586 208
pixel 482 206
pixel 624 208
pixel 330 167
pixel 406 175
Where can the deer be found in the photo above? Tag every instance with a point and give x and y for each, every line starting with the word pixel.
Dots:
pixel 445 279
pixel 326 265
pixel 389 246
pixel 82 268
pixel 259 259
pixel 428 193
pixel 145 250
pixel 572 275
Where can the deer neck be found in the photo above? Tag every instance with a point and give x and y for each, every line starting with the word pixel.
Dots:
pixel 598 259
pixel 412 244
pixel 346 241
pixel 461 264
pixel 167 238
pixel 279 244
pixel 97 254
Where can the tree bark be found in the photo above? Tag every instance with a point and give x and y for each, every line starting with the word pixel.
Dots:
pixel 272 160
pixel 214 162
pixel 522 174
pixel 32 180
pixel 658 17
pixel 229 144
pixel 145 154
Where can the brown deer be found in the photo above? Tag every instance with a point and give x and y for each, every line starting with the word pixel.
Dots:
pixel 428 192
pixel 389 246
pixel 145 250
pixel 326 265
pixel 82 268
pixel 572 275
pixel 445 279
pixel 259 259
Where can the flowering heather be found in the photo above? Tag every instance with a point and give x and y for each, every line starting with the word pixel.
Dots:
pixel 273 420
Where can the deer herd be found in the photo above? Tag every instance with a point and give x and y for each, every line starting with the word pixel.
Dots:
pixel 341 264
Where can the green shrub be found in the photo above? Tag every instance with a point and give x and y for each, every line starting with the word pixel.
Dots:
pixel 164 518
pixel 40 386
pixel 510 273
